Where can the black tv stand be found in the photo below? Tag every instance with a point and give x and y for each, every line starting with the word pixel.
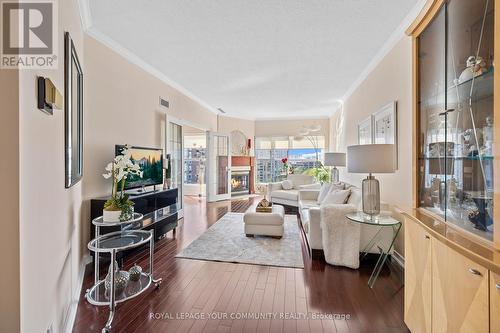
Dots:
pixel 158 207
pixel 141 191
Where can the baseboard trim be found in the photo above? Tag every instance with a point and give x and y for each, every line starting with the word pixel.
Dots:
pixel 399 259
pixel 70 322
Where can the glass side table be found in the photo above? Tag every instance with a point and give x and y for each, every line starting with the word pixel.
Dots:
pixel 379 221
pixel 113 243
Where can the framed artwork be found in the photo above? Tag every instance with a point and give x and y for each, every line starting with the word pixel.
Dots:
pixel 73 113
pixel 365 133
pixel 384 124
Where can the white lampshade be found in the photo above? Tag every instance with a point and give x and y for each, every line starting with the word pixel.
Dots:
pixel 335 159
pixel 375 158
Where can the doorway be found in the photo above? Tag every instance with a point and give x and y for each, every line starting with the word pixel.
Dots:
pixel 194 151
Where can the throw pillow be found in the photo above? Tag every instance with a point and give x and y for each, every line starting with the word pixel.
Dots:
pixel 323 192
pixel 338 186
pixel 315 186
pixel 287 184
pixel 336 197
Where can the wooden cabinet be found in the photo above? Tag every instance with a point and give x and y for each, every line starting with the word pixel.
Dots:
pixel 417 301
pixel 494 302
pixel 459 292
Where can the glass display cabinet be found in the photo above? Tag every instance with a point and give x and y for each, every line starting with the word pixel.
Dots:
pixel 456 116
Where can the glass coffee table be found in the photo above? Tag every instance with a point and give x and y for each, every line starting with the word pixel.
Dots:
pixel 382 221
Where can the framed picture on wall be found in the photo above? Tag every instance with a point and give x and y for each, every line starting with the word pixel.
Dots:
pixel 365 133
pixel 73 113
pixel 384 124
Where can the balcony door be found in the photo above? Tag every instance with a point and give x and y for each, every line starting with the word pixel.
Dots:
pixel 218 167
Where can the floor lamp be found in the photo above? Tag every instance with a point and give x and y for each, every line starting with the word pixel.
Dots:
pixel 335 160
pixel 374 158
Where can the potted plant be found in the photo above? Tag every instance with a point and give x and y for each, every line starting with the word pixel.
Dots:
pixel 119 207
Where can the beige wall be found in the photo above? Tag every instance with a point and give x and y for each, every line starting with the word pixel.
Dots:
pixel 122 106
pixel 390 81
pixel 50 228
pixel 228 124
pixel 290 127
pixel 9 197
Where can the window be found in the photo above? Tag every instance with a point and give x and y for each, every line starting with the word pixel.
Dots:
pixel 302 154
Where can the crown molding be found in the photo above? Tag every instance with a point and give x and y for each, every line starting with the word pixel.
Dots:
pixel 85 14
pixel 305 117
pixel 395 37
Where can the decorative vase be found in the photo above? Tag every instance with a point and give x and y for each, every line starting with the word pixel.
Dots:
pixel 111 215
pixel 121 280
pixel 135 273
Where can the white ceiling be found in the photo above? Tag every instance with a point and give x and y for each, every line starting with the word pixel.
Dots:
pixel 255 58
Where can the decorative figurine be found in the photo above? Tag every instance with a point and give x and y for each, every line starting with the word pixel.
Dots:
pixel 135 272
pixel 264 206
pixel 472 141
pixel 475 67
pixel 121 280
pixel 480 217
pixel 486 149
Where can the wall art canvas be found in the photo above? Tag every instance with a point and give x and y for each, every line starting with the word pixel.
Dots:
pixel 365 134
pixel 384 121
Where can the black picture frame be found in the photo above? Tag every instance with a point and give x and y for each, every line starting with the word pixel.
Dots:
pixel 73 113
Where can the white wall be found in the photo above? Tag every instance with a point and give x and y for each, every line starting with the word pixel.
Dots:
pixel 9 197
pixel 50 228
pixel 391 80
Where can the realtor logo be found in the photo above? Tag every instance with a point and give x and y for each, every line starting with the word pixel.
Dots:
pixel 29 34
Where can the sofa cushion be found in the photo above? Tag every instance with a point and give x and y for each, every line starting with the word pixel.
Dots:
pixel 306 204
pixel 286 194
pixel 323 192
pixel 287 184
pixel 304 219
pixel 354 197
pixel 336 197
pixel 315 186
pixel 298 180
pixel 338 186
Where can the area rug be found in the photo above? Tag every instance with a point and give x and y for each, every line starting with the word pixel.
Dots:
pixel 225 241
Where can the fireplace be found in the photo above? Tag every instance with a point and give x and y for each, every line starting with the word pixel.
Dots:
pixel 240 181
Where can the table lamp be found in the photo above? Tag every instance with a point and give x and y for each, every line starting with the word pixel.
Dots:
pixel 373 158
pixel 335 160
pixel 439 166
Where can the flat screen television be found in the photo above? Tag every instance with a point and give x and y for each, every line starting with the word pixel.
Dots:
pixel 151 163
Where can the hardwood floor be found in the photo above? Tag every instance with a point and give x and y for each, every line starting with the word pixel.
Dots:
pixel 193 288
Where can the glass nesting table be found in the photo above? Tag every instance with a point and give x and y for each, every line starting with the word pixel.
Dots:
pixel 112 243
pixel 382 221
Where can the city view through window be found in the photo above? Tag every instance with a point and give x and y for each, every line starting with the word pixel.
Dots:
pixel 302 154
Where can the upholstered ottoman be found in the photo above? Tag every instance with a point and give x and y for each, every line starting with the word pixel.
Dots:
pixel 264 224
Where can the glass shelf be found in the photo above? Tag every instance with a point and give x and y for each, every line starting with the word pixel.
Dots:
pixel 456 120
pixel 120 240
pixel 380 220
pixel 98 295
pixel 99 221
pixel 483 87
pixel 471 158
